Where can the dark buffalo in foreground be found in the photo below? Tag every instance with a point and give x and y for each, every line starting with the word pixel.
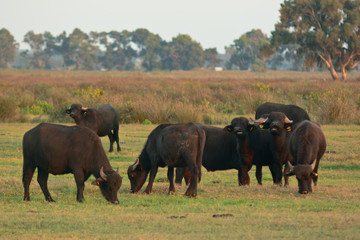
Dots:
pixel 307 145
pixel 177 145
pixel 280 127
pixel 104 120
pixel 293 112
pixel 220 152
pixel 60 149
pixel 255 147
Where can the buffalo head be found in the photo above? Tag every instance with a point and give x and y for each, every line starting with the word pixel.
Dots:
pixel 276 122
pixel 137 176
pixel 76 111
pixel 109 184
pixel 304 174
pixel 239 126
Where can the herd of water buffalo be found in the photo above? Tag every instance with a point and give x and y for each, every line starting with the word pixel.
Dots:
pixel 281 135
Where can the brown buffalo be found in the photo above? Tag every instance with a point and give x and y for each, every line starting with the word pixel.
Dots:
pixel 177 145
pixel 307 146
pixel 58 149
pixel 104 120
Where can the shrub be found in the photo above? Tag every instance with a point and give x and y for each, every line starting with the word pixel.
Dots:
pixel 8 108
pixel 258 66
pixel 39 107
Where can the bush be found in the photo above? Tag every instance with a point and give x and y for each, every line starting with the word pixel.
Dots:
pixel 8 108
pixel 258 66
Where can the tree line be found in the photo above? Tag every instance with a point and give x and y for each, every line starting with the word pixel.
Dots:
pixel 311 35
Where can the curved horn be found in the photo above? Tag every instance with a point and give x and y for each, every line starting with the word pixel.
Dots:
pixel 291 167
pixel 84 108
pixel 133 167
pixel 260 120
pixel 287 120
pixel 102 174
pixel 313 165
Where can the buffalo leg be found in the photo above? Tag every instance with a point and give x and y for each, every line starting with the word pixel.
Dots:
pixel 151 179
pixel 179 174
pixel 79 179
pixel 116 137
pixel 111 139
pixel 243 176
pixel 286 178
pixel 192 189
pixel 258 174
pixel 42 180
pixel 28 172
pixel 276 173
pixel 170 175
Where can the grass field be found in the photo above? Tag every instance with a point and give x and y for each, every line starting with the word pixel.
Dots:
pixel 332 211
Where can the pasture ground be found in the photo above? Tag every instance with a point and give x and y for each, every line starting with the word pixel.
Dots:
pixel 332 211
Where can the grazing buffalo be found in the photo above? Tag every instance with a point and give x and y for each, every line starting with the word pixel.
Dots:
pixel 104 120
pixel 220 153
pixel 177 145
pixel 280 128
pixel 60 149
pixel 255 147
pixel 293 112
pixel 307 145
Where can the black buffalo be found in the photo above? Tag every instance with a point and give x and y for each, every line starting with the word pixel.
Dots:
pixel 280 127
pixel 220 153
pixel 256 148
pixel 307 145
pixel 60 149
pixel 293 112
pixel 104 120
pixel 176 145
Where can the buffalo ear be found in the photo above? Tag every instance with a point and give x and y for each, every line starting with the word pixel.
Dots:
pixel 229 128
pixel 313 174
pixel 68 111
pixel 251 127
pixel 98 182
pixel 289 174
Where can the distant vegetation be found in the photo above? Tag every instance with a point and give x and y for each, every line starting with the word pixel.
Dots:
pixel 310 36
pixel 180 96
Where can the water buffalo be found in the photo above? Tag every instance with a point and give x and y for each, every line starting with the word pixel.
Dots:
pixel 104 120
pixel 221 152
pixel 255 147
pixel 280 127
pixel 58 149
pixel 176 145
pixel 307 145
pixel 293 112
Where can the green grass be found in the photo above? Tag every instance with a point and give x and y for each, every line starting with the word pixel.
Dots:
pixel 332 211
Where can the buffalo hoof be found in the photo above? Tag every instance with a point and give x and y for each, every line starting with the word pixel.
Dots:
pixel 49 199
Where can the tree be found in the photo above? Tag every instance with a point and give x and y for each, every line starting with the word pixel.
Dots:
pixel 7 48
pixel 246 49
pixel 42 48
pixel 183 53
pixel 149 48
pixel 118 51
pixel 83 50
pixel 211 58
pixel 327 29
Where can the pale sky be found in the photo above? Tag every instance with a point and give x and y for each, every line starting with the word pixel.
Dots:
pixel 211 23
